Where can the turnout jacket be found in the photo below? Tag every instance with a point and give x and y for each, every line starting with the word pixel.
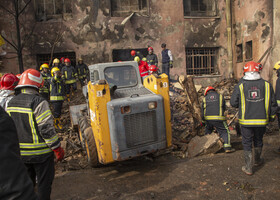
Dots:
pixel 47 77
pixel 213 107
pixel 69 74
pixel 152 59
pixel 14 180
pixel 5 97
pixel 277 93
pixel 57 90
pixel 82 70
pixel 34 123
pixel 256 102
pixel 143 68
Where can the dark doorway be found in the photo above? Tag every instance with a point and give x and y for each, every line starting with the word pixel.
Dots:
pixel 45 58
pixel 124 54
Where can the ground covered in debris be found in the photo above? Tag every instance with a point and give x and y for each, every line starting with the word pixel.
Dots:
pixel 167 177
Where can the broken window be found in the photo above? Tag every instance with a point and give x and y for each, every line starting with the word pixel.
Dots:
pixel 199 8
pixel 45 58
pixel 52 9
pixel 123 8
pixel 239 53
pixel 201 61
pixel 249 50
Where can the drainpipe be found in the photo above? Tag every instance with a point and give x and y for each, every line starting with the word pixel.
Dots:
pixel 229 36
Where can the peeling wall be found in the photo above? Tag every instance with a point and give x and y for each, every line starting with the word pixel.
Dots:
pixel 253 20
pixel 92 33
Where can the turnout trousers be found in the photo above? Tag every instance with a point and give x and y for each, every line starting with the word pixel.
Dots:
pixel 57 107
pixel 69 86
pixel 222 128
pixel 252 135
pixel 45 175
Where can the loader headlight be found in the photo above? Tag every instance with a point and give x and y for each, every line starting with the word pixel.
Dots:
pixel 152 105
pixel 125 109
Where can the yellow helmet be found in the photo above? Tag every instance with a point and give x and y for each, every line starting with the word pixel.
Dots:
pixel 144 59
pixel 277 65
pixel 55 69
pixel 80 59
pixel 56 61
pixel 45 65
pixel 137 59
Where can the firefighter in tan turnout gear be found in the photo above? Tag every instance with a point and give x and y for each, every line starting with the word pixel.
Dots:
pixel 257 107
pixel 213 108
pixel 36 133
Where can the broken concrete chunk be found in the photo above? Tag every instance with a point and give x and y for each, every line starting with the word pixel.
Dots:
pixel 204 145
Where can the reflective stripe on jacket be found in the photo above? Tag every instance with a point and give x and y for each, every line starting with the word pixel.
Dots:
pixel 152 59
pixel 34 122
pixel 143 68
pixel 256 102
pixel 47 77
pixel 57 91
pixel 82 70
pixel 213 106
pixel 69 74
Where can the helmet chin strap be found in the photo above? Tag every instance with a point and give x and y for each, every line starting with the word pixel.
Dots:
pixel 252 76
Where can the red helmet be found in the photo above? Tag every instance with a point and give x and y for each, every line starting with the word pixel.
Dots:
pixel 9 82
pixel 150 48
pixel 62 59
pixel 31 78
pixel 133 53
pixel 208 89
pixel 153 68
pixel 67 60
pixel 251 67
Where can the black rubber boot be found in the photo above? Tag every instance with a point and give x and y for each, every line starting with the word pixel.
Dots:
pixel 247 169
pixel 258 160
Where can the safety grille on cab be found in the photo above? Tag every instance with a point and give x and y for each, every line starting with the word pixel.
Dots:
pixel 140 128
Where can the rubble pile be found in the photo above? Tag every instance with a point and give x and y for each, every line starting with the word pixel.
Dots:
pixel 75 157
pixel 182 118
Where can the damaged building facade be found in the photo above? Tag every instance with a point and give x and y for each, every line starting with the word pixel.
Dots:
pixel 210 39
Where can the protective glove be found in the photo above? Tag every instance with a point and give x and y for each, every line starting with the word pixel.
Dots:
pixel 171 64
pixel 202 123
pixel 59 153
pixel 271 119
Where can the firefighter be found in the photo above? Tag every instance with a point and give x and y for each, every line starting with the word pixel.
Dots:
pixel 8 83
pixel 57 95
pixel 36 133
pixel 154 70
pixel 62 63
pixel 134 53
pixel 14 180
pixel 45 90
pixel 69 74
pixel 143 67
pixel 151 57
pixel 257 107
pixel 56 63
pixel 83 71
pixel 213 108
pixel 277 95
pixel 167 60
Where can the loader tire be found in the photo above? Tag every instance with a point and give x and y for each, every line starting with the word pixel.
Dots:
pixel 91 149
pixel 83 124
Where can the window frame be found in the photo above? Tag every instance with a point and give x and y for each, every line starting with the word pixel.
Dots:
pixel 194 14
pixel 130 11
pixel 46 16
pixel 238 47
pixel 249 43
pixel 195 56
